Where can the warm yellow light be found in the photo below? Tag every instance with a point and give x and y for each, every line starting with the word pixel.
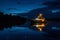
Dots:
pixel 40 29
pixel 40 22
pixel 41 25
pixel 40 15
pixel 40 19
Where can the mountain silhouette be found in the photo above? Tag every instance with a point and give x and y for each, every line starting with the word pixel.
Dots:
pixel 45 11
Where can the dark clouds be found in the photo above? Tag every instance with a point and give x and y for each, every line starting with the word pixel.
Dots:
pixel 22 5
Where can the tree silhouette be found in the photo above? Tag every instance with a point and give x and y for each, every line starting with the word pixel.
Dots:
pixel 7 21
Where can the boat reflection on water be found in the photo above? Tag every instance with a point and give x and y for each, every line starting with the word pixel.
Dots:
pixel 40 22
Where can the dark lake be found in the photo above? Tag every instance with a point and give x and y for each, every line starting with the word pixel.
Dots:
pixel 51 32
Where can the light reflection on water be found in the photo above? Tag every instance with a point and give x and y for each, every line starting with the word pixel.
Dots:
pixel 19 33
pixel 26 33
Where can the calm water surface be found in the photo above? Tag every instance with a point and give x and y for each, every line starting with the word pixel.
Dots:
pixel 25 33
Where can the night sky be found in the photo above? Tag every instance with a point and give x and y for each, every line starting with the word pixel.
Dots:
pixel 21 6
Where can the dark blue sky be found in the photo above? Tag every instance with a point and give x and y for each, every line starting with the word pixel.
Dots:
pixel 21 6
